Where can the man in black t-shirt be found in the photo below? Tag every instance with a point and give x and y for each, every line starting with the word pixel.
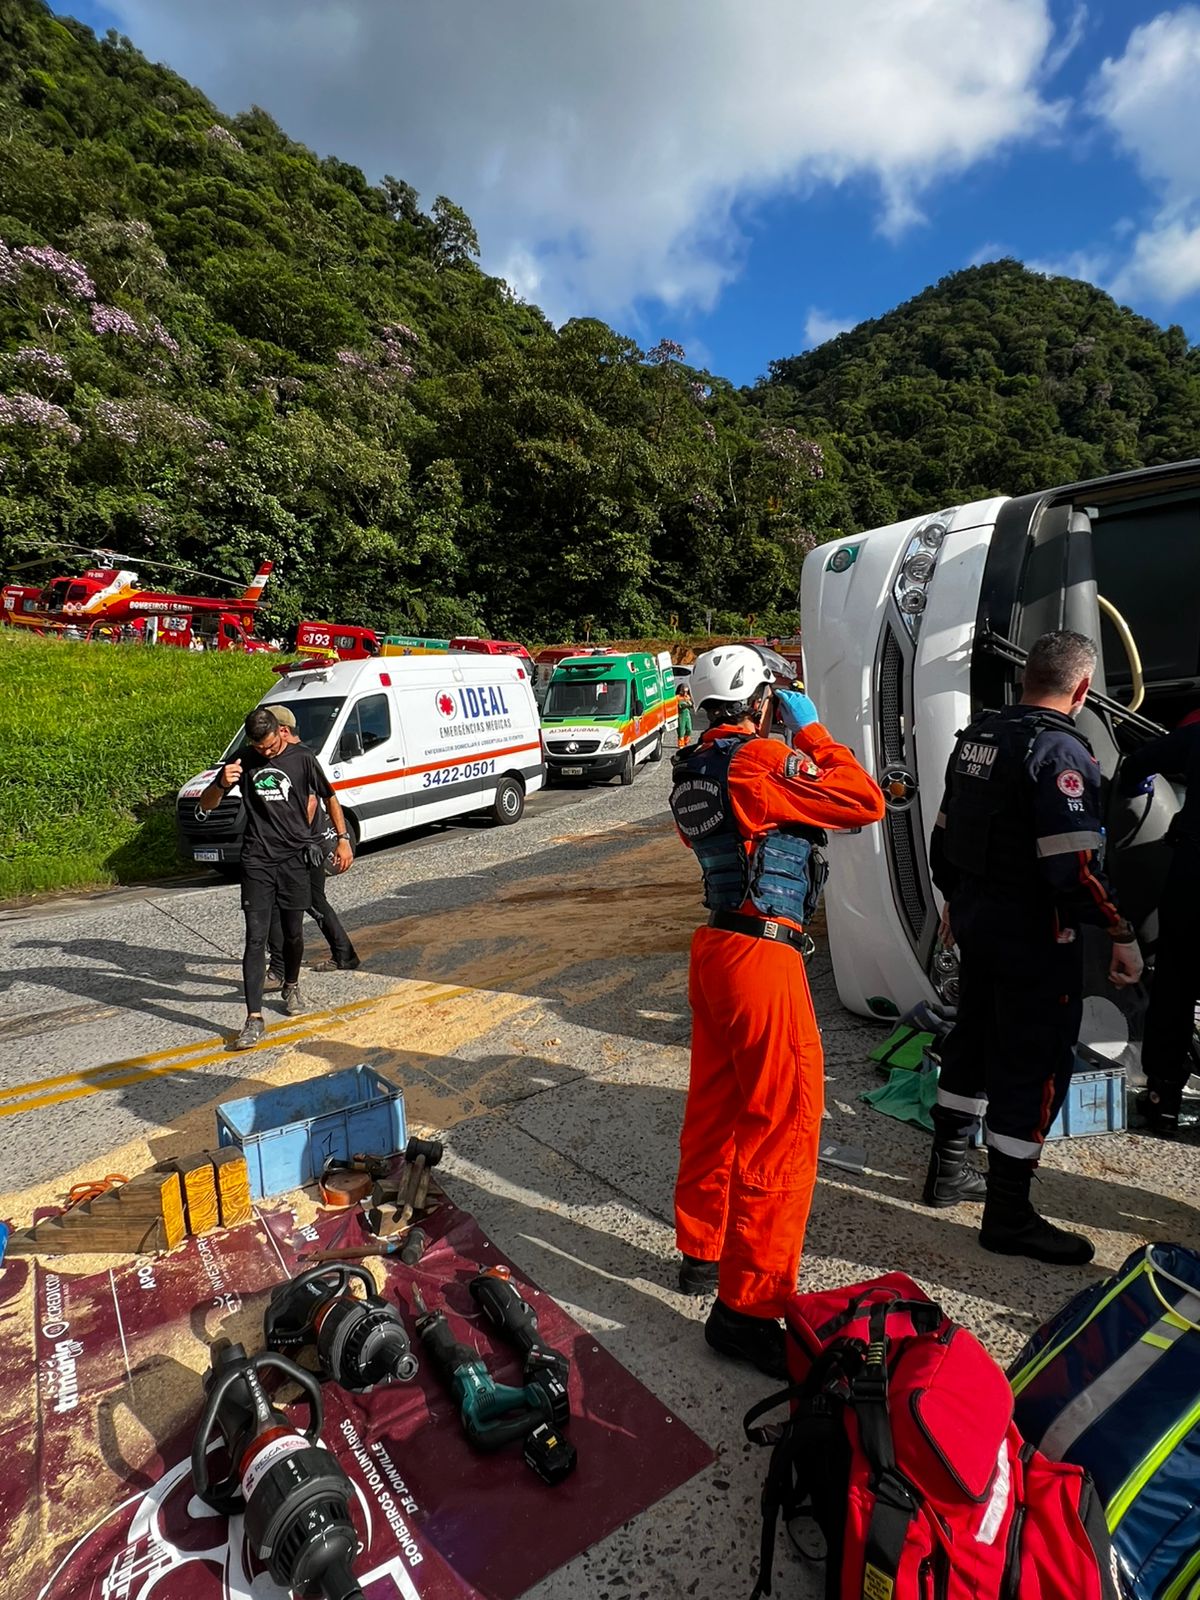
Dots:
pixel 342 955
pixel 281 787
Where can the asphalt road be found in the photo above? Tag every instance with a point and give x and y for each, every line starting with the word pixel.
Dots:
pixel 115 1008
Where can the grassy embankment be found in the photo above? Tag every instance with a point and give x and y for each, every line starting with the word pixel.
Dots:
pixel 94 742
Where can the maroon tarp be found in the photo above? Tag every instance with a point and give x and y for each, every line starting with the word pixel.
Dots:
pixel 437 1521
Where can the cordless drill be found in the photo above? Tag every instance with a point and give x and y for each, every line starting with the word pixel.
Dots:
pixel 495 1414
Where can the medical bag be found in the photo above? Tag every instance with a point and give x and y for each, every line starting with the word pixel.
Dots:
pixel 901 1459
pixel 1113 1383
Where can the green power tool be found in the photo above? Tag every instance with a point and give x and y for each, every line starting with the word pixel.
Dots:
pixel 496 1414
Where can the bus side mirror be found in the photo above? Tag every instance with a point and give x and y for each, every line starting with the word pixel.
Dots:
pixel 638 707
pixel 349 746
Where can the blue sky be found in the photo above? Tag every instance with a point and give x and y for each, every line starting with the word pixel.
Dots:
pixel 744 180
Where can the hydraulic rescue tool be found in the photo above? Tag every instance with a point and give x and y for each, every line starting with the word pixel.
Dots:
pixel 495 1414
pixel 359 1341
pixel 294 1496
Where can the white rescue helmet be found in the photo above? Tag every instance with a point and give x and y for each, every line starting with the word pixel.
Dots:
pixel 732 675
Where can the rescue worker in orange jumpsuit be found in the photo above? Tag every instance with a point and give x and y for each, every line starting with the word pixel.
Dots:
pixel 752 809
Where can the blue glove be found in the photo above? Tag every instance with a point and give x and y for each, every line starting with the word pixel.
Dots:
pixel 796 709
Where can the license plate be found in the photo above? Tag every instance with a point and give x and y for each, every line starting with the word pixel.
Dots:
pixel 206 855
pixel 572 772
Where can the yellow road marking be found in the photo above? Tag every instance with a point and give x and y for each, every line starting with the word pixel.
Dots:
pixel 139 1069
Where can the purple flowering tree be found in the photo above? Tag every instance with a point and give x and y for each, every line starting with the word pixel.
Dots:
pixel 31 411
pixel 223 139
pixel 665 351
pixel 70 275
pixel 32 362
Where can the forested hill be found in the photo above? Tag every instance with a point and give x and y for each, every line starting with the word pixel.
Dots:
pixel 996 378
pixel 217 347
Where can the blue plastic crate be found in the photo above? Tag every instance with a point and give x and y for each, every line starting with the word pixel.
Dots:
pixel 287 1134
pixel 1095 1102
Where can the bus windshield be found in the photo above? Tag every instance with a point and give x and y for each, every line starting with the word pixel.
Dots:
pixel 574 698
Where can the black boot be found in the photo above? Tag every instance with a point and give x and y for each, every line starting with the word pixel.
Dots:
pixel 759 1340
pixel 1159 1106
pixel 952 1179
pixel 697 1276
pixel 1011 1227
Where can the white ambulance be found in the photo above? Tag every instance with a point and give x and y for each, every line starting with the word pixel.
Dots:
pixel 404 740
pixel 912 629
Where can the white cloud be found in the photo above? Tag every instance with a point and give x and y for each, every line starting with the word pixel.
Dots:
pixel 991 251
pixel 819 327
pixel 1150 98
pixel 603 149
pixel 1092 266
pixel 1165 263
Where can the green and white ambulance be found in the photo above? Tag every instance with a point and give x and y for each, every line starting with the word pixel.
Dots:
pixel 603 716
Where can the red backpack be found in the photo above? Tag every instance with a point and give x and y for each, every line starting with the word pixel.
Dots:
pixel 901 1449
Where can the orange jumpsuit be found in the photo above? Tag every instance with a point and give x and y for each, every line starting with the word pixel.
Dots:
pixel 751 1126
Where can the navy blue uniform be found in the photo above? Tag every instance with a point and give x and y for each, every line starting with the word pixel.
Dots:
pixel 1016 851
pixel 1169 1020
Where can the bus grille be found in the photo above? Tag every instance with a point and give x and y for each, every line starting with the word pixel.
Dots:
pixel 904 850
pixel 891 699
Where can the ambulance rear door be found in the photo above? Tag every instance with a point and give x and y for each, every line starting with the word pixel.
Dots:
pixel 366 762
pixel 670 693
pixel 468 726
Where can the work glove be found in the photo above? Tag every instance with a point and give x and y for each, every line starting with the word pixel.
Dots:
pixel 796 709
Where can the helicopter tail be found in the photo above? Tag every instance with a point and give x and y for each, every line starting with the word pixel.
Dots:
pixel 255 591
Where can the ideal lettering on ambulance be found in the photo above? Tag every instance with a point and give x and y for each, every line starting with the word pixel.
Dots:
pixel 603 716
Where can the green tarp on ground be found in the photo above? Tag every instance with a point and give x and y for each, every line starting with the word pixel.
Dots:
pixel 907 1096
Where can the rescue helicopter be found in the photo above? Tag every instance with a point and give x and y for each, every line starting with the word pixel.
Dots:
pixel 106 602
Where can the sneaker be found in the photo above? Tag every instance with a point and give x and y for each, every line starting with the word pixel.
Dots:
pixel 274 981
pixel 331 964
pixel 254 1031
pixel 292 1003
pixel 697 1276
pixel 759 1340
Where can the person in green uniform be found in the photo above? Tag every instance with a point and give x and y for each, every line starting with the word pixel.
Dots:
pixel 684 733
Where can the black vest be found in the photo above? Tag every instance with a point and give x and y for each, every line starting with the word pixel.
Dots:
pixel 782 876
pixel 991 834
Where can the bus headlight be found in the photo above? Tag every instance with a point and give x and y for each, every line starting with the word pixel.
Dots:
pixel 917 568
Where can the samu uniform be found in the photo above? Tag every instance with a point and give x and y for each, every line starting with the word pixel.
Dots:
pixel 751 810
pixel 1016 851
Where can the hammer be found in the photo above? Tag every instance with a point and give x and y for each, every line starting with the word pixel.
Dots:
pixel 410 1195
pixel 422 1155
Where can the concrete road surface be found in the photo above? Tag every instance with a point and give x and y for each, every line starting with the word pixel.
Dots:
pixel 526 985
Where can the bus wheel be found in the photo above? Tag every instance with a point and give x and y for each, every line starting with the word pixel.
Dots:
pixel 509 804
pixel 627 770
pixel 656 753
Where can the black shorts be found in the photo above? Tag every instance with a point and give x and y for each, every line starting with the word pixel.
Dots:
pixel 286 884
